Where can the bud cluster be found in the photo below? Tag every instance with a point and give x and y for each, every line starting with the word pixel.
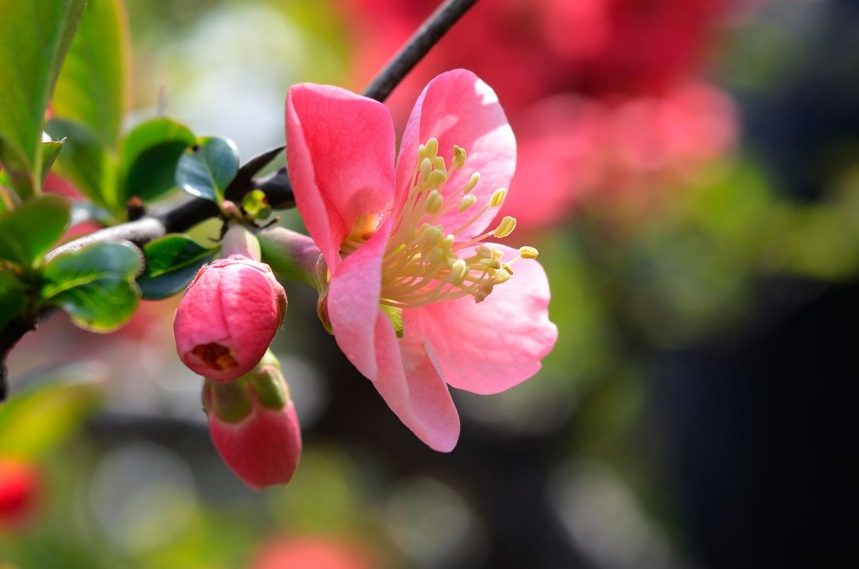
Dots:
pixel 223 327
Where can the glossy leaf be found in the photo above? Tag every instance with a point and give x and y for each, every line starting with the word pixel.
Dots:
pixel 84 162
pixel 93 85
pixel 172 263
pixel 150 157
pixel 34 38
pixel 206 169
pixel 35 422
pixel 95 285
pixel 13 298
pixel 29 231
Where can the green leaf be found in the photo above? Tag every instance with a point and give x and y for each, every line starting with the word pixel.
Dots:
pixel 207 168
pixel 172 263
pixel 34 38
pixel 50 152
pixel 85 163
pixel 256 204
pixel 13 297
pixel 150 157
pixel 95 284
pixel 35 422
pixel 29 231
pixel 93 85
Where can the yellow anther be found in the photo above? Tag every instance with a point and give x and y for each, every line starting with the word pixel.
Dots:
pixel 507 268
pixel 471 183
pixel 436 179
pixel 490 263
pixel 501 277
pixel 438 163
pixel 467 202
pixel 458 272
pixel 506 227
pixel 528 252
pixel 424 171
pixel 498 197
pixel 434 202
pixel 458 157
pixel 431 148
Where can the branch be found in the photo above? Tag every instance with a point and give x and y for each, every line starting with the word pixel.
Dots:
pixel 432 30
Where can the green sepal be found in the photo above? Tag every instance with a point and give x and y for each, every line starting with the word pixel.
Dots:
pixel 269 386
pixel 95 284
pixel 231 402
pixel 171 263
pixel 207 168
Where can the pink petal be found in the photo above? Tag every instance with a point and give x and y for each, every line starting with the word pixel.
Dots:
pixel 459 109
pixel 340 155
pixel 353 301
pixel 490 346
pixel 410 384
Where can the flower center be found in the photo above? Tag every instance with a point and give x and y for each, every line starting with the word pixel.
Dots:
pixel 426 263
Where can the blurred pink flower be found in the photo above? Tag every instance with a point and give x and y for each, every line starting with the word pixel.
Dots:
pixel 228 317
pixel 253 424
pixel 416 300
pixel 311 553
pixel 20 486
pixel 570 74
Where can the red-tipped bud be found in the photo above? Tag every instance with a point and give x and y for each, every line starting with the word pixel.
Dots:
pixel 228 317
pixel 19 493
pixel 253 425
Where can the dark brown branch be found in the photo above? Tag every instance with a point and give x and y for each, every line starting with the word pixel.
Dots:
pixel 432 30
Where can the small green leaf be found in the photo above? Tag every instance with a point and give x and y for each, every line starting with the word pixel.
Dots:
pixel 29 231
pixel 85 162
pixel 207 168
pixel 172 263
pixel 13 297
pixel 256 204
pixel 150 157
pixel 95 284
pixel 35 422
pixel 50 151
pixel 34 38
pixel 93 85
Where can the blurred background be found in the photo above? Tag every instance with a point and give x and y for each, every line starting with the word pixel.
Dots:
pixel 689 171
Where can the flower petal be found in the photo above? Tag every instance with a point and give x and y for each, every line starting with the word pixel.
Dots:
pixel 341 156
pixel 490 346
pixel 410 384
pixel 353 301
pixel 459 109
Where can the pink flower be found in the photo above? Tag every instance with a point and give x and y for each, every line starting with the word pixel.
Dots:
pixel 228 317
pixel 253 425
pixel 417 301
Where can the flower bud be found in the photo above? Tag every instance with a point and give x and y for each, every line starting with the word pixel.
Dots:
pixel 253 424
pixel 228 317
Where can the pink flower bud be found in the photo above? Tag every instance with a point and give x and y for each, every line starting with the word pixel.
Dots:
pixel 253 424
pixel 228 317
